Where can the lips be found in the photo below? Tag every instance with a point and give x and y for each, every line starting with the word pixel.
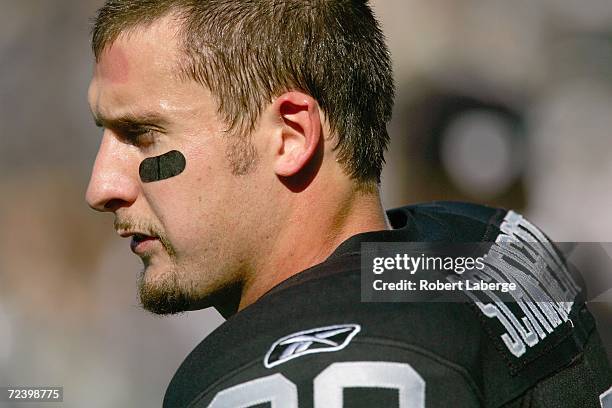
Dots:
pixel 141 243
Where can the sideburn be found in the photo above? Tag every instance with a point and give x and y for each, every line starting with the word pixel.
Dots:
pixel 241 155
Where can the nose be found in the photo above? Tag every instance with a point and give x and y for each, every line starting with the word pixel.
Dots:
pixel 113 183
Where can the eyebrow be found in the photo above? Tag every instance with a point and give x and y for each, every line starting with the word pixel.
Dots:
pixel 130 120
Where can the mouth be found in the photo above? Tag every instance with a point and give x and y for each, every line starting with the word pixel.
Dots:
pixel 141 243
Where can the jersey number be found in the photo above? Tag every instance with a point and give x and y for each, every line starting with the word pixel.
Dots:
pixel 277 390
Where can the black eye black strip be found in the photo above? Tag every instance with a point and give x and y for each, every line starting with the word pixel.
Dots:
pixel 162 167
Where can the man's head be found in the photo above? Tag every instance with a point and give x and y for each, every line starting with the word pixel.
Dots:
pixel 259 98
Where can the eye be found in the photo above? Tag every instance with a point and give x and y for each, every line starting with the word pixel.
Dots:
pixel 140 137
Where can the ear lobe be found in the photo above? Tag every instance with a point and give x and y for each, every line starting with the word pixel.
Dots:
pixel 300 134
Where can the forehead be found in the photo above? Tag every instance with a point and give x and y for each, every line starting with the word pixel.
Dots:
pixel 139 46
pixel 140 67
pixel 114 65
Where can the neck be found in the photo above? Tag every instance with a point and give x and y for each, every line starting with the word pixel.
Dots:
pixel 310 233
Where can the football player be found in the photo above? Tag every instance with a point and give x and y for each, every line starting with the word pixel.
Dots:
pixel 242 148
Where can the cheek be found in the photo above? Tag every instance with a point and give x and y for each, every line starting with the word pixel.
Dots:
pixel 177 205
pixel 195 207
pixel 189 205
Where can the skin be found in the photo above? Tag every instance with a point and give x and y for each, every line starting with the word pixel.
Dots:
pixel 224 240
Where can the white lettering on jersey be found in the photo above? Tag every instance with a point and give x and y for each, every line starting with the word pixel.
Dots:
pixel 329 386
pixel 331 382
pixel 605 399
pixel 275 389
pixel 522 254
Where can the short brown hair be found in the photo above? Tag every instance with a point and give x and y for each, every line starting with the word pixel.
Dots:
pixel 248 51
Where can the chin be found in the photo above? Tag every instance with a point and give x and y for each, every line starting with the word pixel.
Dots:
pixel 162 293
pixel 167 289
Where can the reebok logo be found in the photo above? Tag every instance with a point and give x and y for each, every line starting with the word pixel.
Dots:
pixel 319 340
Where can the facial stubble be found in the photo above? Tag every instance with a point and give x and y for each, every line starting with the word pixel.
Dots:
pixel 163 297
pixel 166 294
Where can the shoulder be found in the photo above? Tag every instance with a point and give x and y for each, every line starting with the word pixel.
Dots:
pixel 453 221
pixel 450 221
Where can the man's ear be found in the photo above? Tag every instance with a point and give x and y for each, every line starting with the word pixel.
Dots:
pixel 300 132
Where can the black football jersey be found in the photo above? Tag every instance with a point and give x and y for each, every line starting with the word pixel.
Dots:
pixel 311 341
